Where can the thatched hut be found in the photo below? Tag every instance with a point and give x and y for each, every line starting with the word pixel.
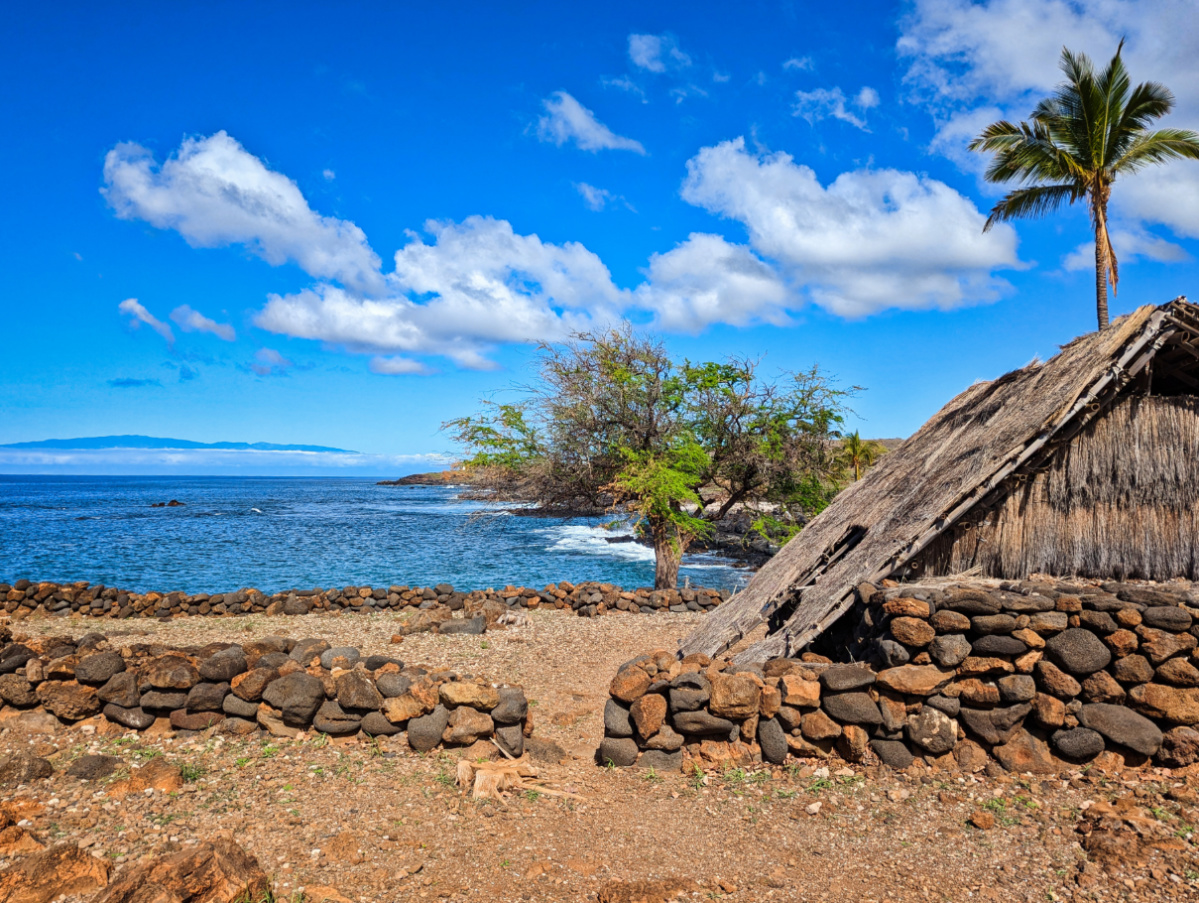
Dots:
pixel 1087 464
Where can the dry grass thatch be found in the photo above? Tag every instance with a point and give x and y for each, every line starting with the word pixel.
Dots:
pixel 988 442
pixel 1120 500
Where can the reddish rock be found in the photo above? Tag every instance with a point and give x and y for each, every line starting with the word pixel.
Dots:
pixel 1159 645
pixel 648 713
pixel 799 692
pixel 1102 687
pixel 772 699
pixel 629 684
pixel 1048 710
pixel 69 700
pixel 819 726
pixel 1180 748
pixel 1173 704
pixel 195 721
pixel 217 872
pixel 250 685
pixel 1133 669
pixel 1122 643
pixel 734 696
pixel 1178 672
pixel 456 693
pixel 907 608
pixel 170 672
pixel 914 680
pixel 977 666
pixel 58 871
pixel 466 726
pixel 946 621
pixel 912 631
pixel 1025 754
pixel 853 743
pixel 973 691
pixel 1056 682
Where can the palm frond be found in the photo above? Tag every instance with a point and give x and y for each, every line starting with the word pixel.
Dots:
pixel 1034 202
pixel 1158 147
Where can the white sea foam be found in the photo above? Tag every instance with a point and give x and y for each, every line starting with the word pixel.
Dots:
pixel 586 540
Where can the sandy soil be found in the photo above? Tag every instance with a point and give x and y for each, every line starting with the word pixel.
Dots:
pixel 382 824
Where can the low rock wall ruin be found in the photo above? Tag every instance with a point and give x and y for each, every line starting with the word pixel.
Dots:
pixel 1031 675
pixel 276 684
pixel 25 597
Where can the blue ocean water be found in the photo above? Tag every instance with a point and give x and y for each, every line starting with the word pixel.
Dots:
pixel 283 533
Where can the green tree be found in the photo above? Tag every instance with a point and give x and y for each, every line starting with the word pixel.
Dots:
pixel 858 454
pixel 612 422
pixel 1094 128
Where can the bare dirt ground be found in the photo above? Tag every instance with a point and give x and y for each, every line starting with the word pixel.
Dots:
pixel 380 823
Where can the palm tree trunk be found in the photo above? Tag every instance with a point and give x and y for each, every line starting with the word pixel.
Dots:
pixel 1101 259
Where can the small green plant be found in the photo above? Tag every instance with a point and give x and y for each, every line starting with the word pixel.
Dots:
pixel 652 776
pixel 484 645
pixel 270 751
pixel 444 778
pixel 191 773
pixel 532 796
pixel 819 785
pixel 242 762
pixel 699 777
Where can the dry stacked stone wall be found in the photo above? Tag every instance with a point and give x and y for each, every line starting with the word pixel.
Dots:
pixel 25 597
pixel 1030 675
pixel 276 684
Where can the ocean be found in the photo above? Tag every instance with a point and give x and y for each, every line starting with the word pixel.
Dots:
pixel 298 533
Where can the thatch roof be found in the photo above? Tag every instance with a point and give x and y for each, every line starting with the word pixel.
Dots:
pixel 975 450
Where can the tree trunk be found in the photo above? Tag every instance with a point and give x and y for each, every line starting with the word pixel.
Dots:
pixel 668 555
pixel 1101 257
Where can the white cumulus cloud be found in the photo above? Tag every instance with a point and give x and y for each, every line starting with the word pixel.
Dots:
pixel 707 280
pixel 823 103
pixel 568 120
pixel 594 198
pixel 870 240
pixel 213 192
pixel 479 283
pixel 1130 245
pixel 133 308
pixel 193 321
pixel 656 53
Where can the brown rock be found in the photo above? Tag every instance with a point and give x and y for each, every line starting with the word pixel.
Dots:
pixel 1134 669
pixel 216 872
pixel 1029 638
pixel 799 692
pixel 399 709
pixel 58 871
pixel 971 757
pixel 819 726
pixel 466 726
pixel 1055 681
pixel 1048 710
pixel 1128 617
pixel 1159 645
pixel 477 696
pixel 648 714
pixel 157 774
pixel 1102 687
pixel 977 666
pixel 1178 672
pixel 16 841
pixel 914 680
pixel 912 631
pixel 1028 661
pixel 946 621
pixel 629 684
pixel 907 608
pixel 69 700
pixel 249 685
pixel 1180 748
pixel 1122 643
pixel 1173 704
pixel 973 691
pixel 170 672
pixel 271 721
pixel 982 820
pixel 195 721
pixel 23 768
pixel 768 705
pixel 1025 754
pixel 853 743
pixel 734 696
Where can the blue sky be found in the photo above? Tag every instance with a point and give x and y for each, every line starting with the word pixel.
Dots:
pixel 205 204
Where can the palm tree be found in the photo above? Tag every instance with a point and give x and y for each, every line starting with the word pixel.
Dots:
pixel 857 454
pixel 1092 129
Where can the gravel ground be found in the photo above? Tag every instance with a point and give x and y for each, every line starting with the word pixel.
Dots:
pixel 382 824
